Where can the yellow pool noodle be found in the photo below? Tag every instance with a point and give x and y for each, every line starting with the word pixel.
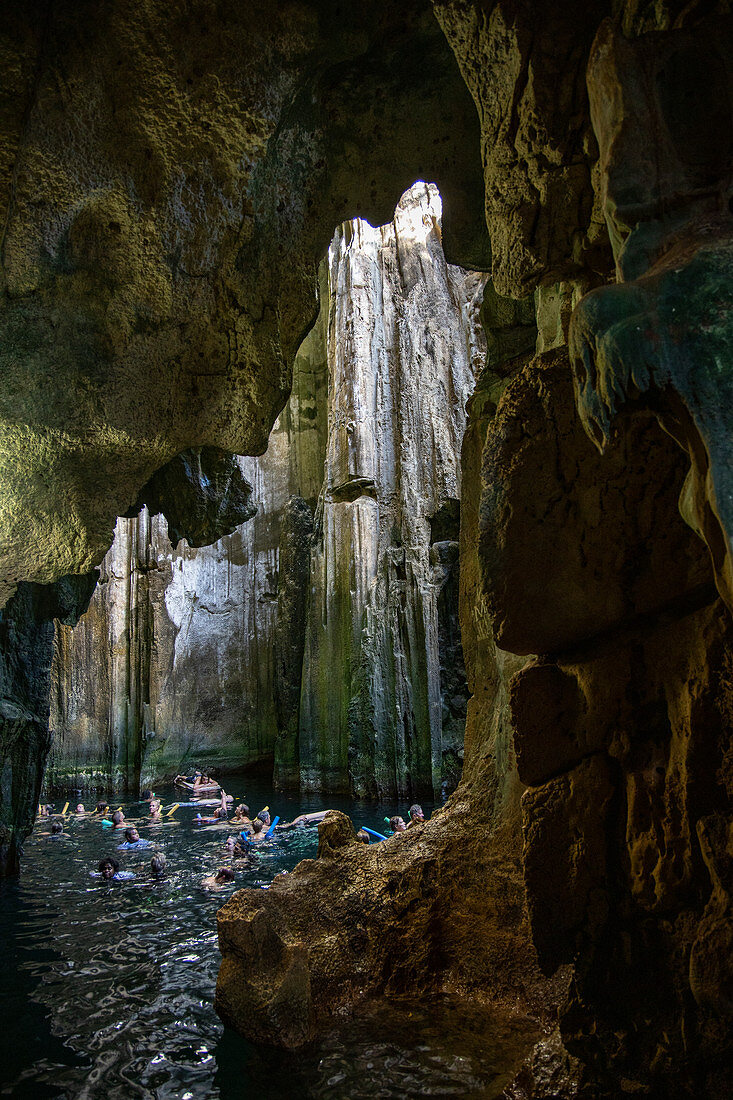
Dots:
pixel 65 809
pixel 173 809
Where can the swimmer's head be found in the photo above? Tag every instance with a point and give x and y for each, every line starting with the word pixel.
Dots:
pixel 157 863
pixel 242 810
pixel 132 835
pixel 80 808
pixel 257 826
pixel 57 827
pixel 416 813
pixel 363 836
pixel 146 796
pixel 102 807
pixel 224 874
pixel 230 842
pixel 397 824
pixel 264 817
pixel 108 867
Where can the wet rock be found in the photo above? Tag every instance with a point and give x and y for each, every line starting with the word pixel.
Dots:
pixel 335 832
pixel 26 651
pixel 202 494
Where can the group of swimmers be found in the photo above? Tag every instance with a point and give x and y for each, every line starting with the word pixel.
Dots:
pixel 250 831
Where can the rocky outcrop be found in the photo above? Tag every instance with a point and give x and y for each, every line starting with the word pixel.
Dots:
pixel 26 650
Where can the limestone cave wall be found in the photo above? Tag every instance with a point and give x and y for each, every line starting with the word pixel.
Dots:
pixel 170 179
pixel 324 630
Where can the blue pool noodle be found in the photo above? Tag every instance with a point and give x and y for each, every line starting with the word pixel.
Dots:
pixel 271 830
pixel 373 832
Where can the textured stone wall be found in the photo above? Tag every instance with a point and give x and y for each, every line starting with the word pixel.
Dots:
pixel 404 348
pixel 331 643
pixel 175 659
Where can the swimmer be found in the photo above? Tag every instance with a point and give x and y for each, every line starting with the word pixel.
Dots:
pixel 57 830
pixel 155 807
pixel 241 815
pixel 223 877
pixel 133 840
pixel 157 864
pixel 45 811
pixel 109 869
pixel 101 808
pixel 417 817
pixel 363 836
pixel 397 824
pixel 80 808
pixel 219 816
pixel 118 820
pixel 264 817
pixel 258 831
pixel 304 819
pixel 146 796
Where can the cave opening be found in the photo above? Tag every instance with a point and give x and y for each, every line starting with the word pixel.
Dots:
pixel 320 639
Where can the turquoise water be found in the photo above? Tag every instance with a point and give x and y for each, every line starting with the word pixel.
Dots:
pixel 109 987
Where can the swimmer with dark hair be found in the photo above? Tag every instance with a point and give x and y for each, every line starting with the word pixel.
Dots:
pixel 397 824
pixel 223 877
pixel 219 816
pixel 133 840
pixel 363 836
pixel 109 869
pixel 241 815
pixel 417 817
pixel 57 830
pixel 101 808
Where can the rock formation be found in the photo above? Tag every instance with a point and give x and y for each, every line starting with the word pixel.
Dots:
pixel 169 180
pixel 342 658
pixel 383 696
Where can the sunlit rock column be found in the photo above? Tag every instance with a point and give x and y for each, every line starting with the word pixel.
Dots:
pixel 403 350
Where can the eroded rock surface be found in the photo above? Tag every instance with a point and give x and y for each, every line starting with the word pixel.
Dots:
pixel 339 653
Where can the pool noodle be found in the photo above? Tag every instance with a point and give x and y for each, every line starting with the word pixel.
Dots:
pixel 173 809
pixel 271 830
pixel 373 832
pixel 65 809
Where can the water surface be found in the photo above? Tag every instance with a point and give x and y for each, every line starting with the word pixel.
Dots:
pixel 109 987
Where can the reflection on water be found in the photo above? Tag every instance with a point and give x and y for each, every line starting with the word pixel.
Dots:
pixel 109 986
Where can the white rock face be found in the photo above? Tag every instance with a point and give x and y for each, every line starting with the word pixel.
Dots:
pixel 403 349
pixel 177 655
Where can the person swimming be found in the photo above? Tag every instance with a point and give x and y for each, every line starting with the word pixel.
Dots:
pixel 223 877
pixel 133 840
pixel 101 808
pixel 109 869
pixel 118 820
pixel 304 819
pixel 219 816
pixel 417 817
pixel 57 830
pixel 155 807
pixel 363 836
pixel 80 808
pixel 241 815
pixel 157 864
pixel 397 824
pixel 258 831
